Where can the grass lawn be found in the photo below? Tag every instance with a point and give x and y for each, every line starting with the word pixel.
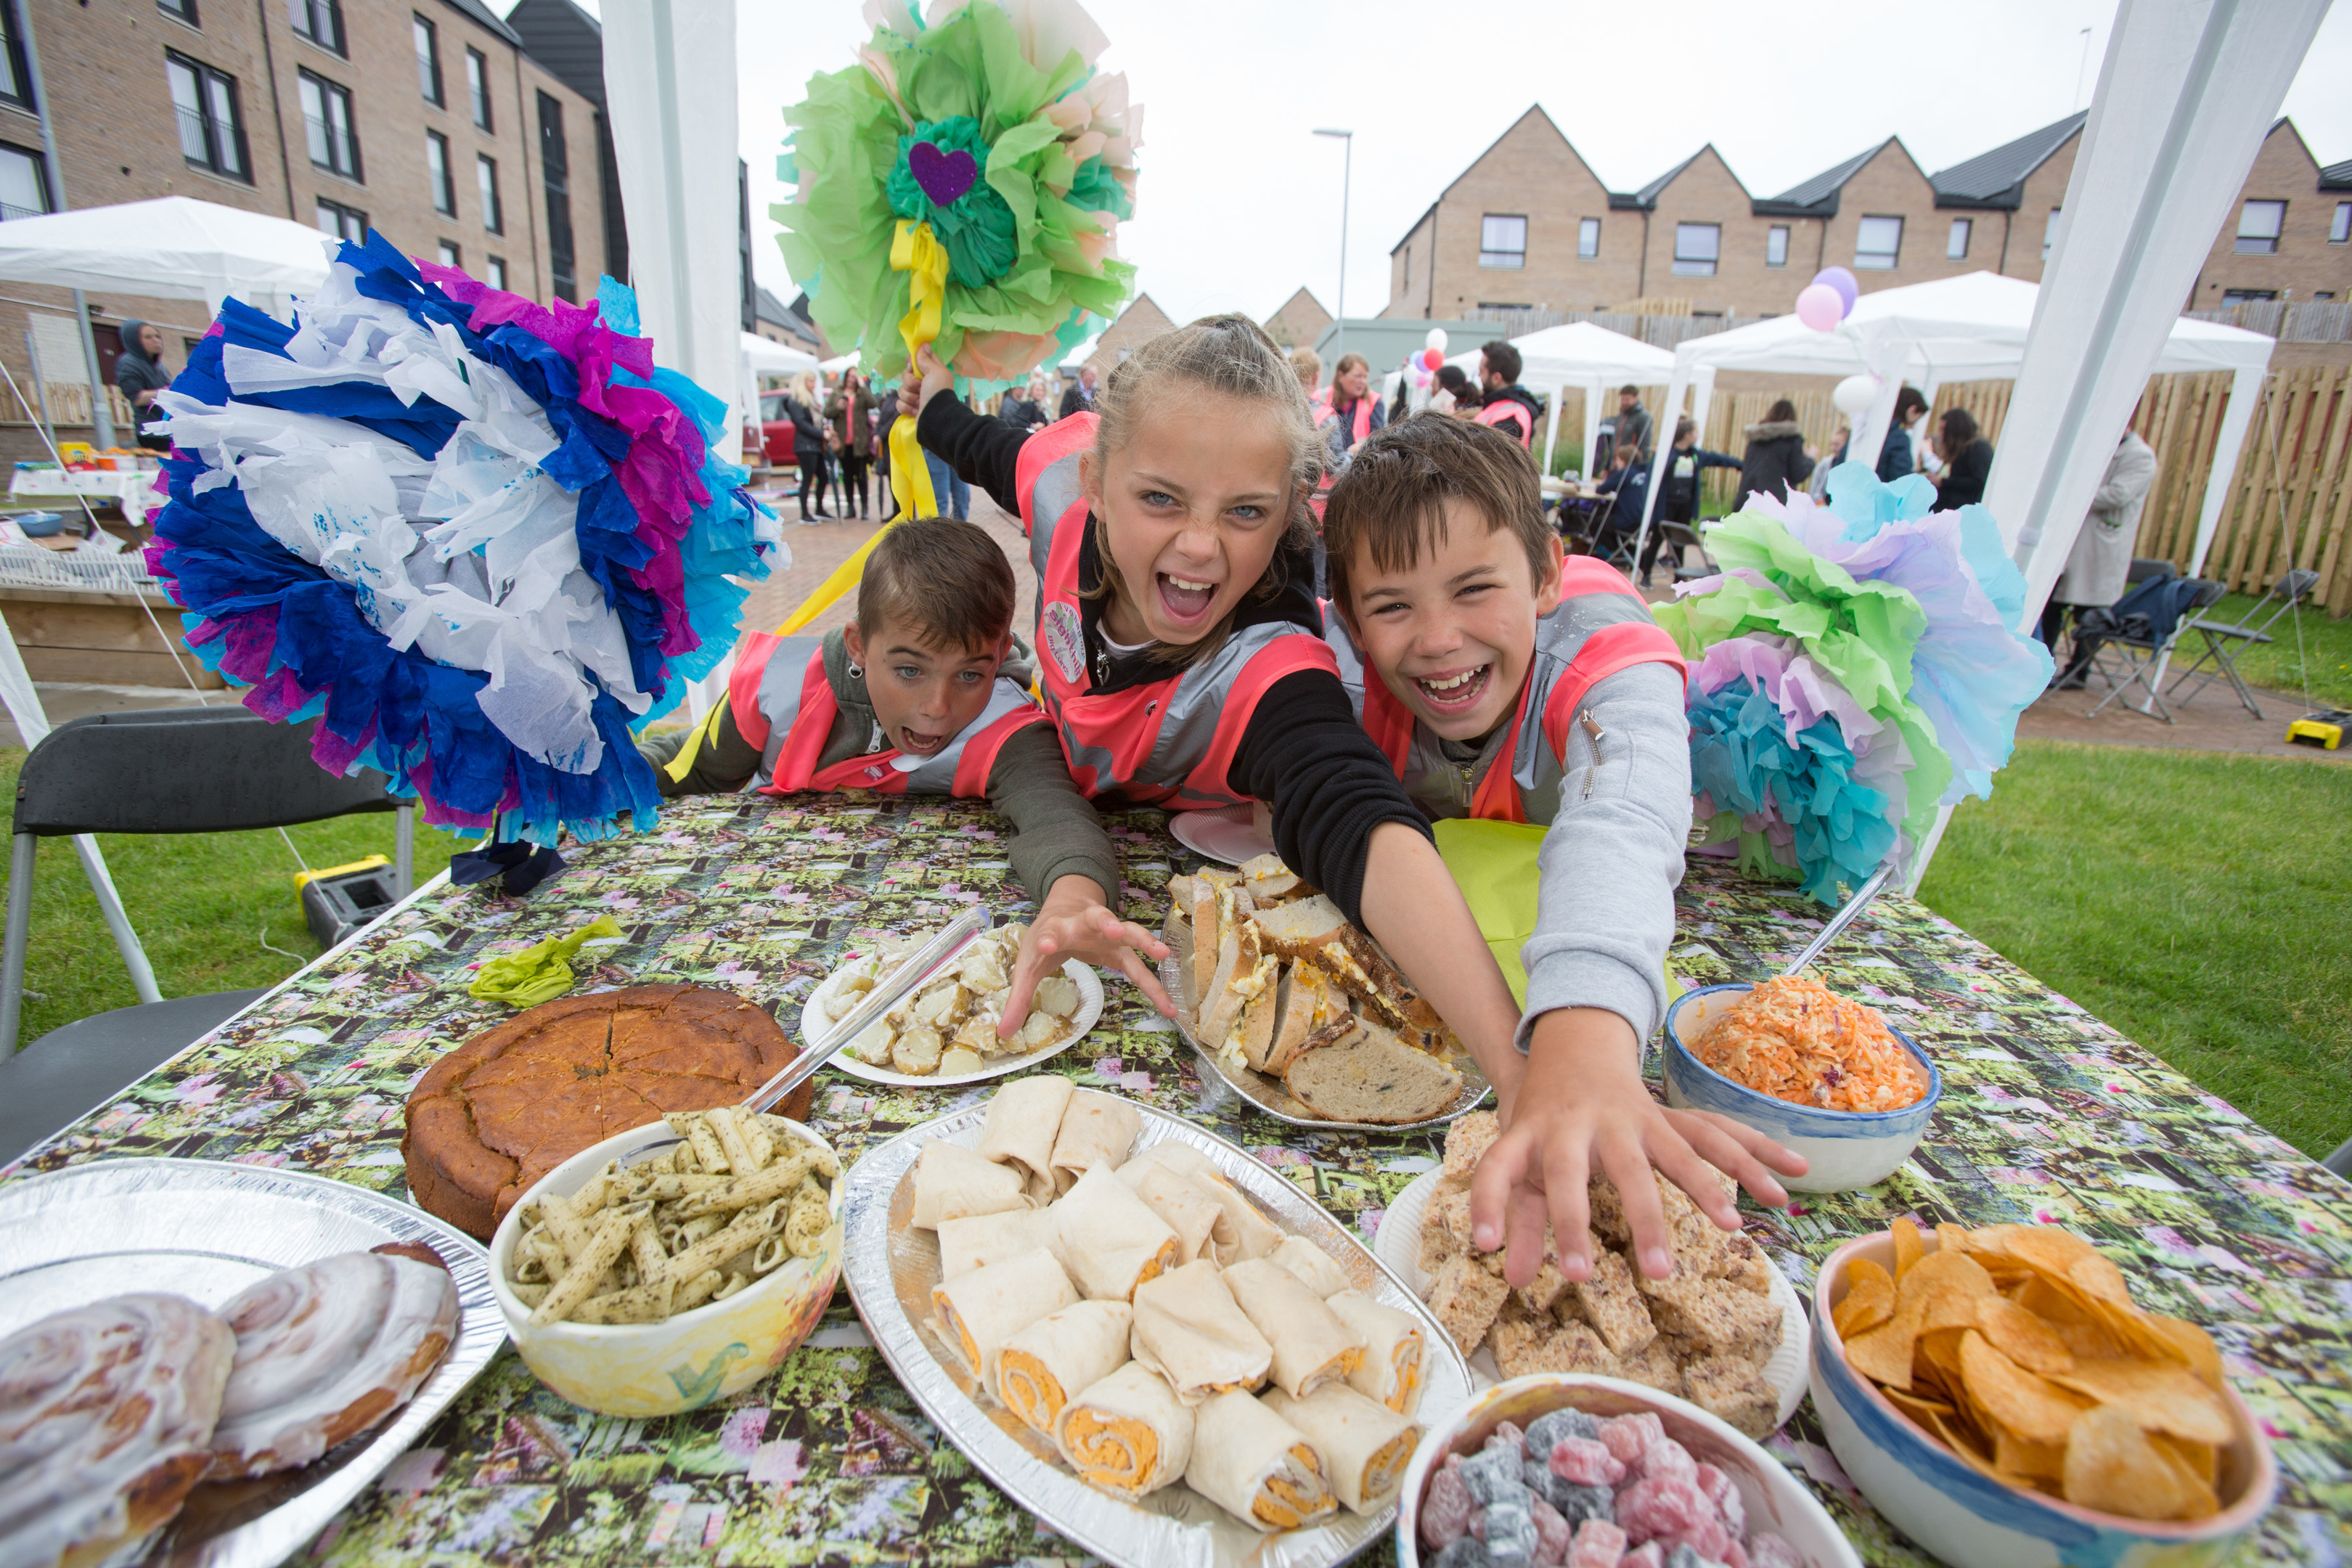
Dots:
pixel 2196 901
pixel 202 904
pixel 2327 644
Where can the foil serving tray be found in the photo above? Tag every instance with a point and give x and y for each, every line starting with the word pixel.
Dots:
pixel 207 1230
pixel 891 1267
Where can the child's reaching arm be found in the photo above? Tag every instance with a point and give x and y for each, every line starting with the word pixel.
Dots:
pixel 723 761
pixel 983 451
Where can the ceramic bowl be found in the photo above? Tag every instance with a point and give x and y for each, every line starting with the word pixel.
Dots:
pixel 694 1359
pixel 1776 1501
pixel 1844 1149
pixel 1974 1522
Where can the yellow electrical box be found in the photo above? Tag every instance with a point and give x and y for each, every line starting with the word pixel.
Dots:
pixel 302 878
pixel 2324 731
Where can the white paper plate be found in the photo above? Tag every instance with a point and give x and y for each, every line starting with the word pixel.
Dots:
pixel 1397 1244
pixel 814 1024
pixel 1229 835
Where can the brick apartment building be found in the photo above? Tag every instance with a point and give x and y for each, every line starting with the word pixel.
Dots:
pixel 1529 225
pixel 424 119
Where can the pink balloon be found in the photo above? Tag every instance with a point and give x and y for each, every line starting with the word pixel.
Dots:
pixel 1432 358
pixel 1819 307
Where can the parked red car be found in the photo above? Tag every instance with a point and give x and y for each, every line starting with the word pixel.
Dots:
pixel 775 431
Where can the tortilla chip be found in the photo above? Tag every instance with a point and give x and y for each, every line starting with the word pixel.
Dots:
pixel 2162 1396
pixel 2032 1407
pixel 1869 1299
pixel 2195 1346
pixel 2111 1465
pixel 1946 1287
pixel 1883 1354
pixel 2022 1337
pixel 1951 1237
pixel 1908 1246
pixel 2025 1461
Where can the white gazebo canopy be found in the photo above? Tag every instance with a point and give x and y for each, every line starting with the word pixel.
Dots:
pixel 765 356
pixel 1591 359
pixel 173 248
pixel 1970 328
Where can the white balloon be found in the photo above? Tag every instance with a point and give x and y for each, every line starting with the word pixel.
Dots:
pixel 1437 339
pixel 1854 395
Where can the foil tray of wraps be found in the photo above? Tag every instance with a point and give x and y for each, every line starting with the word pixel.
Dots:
pixel 891 1267
pixel 207 1230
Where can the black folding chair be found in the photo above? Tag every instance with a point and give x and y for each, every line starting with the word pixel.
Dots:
pixel 197 770
pixel 2138 649
pixel 1683 536
pixel 2225 641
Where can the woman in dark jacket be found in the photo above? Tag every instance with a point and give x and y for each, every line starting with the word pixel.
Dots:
pixel 1967 461
pixel 139 376
pixel 850 412
pixel 1776 456
pixel 1895 458
pixel 808 445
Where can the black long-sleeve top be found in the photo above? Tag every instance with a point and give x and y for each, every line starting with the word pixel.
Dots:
pixel 1304 752
pixel 1964 480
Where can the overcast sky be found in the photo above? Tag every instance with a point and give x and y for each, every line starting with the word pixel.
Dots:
pixel 1239 202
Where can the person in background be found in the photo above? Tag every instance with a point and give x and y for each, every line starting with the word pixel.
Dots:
pixel 801 406
pixel 1308 366
pixel 1895 458
pixel 1679 501
pixel 1445 396
pixel 888 417
pixel 1633 428
pixel 1080 398
pixel 849 413
pixel 1354 411
pixel 1505 402
pixel 1629 483
pixel 1024 409
pixel 1968 459
pixel 2100 563
pixel 1400 405
pixel 1777 455
pixel 139 376
pixel 948 490
pixel 1818 487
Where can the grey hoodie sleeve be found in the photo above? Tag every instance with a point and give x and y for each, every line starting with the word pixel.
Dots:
pixel 1612 857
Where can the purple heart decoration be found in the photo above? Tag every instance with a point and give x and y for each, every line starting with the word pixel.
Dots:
pixel 944 176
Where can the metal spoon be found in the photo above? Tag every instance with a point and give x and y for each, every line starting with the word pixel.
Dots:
pixel 1842 918
pixel 920 965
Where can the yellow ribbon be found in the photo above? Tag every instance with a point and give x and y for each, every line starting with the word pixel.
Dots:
pixel 705 733
pixel 917 252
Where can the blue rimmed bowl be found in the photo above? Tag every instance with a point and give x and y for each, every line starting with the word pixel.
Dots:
pixel 1932 1495
pixel 1844 1149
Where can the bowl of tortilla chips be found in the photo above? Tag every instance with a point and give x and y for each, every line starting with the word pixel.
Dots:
pixel 1996 1391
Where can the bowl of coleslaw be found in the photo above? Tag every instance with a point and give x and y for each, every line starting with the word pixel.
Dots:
pixel 1825 1075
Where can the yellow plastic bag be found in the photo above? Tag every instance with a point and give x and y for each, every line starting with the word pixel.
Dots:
pixel 539 972
pixel 1494 864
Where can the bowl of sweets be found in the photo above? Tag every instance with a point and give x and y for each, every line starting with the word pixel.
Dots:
pixel 1997 1391
pixel 1825 1075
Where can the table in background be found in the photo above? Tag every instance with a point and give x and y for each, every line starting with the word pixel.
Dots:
pixel 2047 1114
pixel 131 489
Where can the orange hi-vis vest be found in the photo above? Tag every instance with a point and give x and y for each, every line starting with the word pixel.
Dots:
pixel 1498 410
pixel 1326 411
pixel 1600 628
pixel 785 705
pixel 1168 742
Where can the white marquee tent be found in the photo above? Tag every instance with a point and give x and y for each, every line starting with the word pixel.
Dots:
pixel 1588 358
pixel 765 356
pixel 1970 328
pixel 173 248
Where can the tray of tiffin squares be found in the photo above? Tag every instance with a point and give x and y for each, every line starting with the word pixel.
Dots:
pixel 1162 1349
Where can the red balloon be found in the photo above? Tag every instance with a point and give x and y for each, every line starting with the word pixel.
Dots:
pixel 1432 358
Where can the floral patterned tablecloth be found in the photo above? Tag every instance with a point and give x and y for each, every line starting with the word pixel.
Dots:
pixel 2047 1113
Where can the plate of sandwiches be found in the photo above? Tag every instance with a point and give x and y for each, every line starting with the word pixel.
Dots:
pixel 1726 1331
pixel 1300 1012
pixel 1156 1346
pixel 206 1363
pixel 945 1033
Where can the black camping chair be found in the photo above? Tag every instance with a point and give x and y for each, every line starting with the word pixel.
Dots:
pixel 198 770
pixel 2226 641
pixel 2138 631
pixel 1683 536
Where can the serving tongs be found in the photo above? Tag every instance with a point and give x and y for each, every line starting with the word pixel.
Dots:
pixel 1842 918
pixel 926 963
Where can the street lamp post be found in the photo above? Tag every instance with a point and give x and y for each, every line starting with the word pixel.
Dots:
pixel 1348 171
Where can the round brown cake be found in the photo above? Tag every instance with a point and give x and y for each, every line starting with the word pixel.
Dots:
pixel 512 1103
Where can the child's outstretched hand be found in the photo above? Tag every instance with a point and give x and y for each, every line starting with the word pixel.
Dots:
pixel 1073 922
pixel 930 379
pixel 1583 1104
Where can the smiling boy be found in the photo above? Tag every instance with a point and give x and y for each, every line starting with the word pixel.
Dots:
pixel 1505 682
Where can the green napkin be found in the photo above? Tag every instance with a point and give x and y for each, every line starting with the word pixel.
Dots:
pixel 541 971
pixel 1494 864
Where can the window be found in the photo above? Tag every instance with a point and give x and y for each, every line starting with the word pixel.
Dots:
pixel 555 171
pixel 486 176
pixel 1587 238
pixel 15 74
pixel 1697 247
pixel 1502 242
pixel 1776 246
pixel 494 271
pixel 478 86
pixel 342 222
pixel 320 21
pixel 2247 296
pixel 450 254
pixel 2339 231
pixel 2050 235
pixel 428 60
pixel 212 136
pixel 1956 247
pixel 2259 223
pixel 1877 242
pixel 23 182
pixel 179 10
pixel 326 121
pixel 437 168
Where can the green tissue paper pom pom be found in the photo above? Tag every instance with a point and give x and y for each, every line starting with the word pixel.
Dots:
pixel 977 228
